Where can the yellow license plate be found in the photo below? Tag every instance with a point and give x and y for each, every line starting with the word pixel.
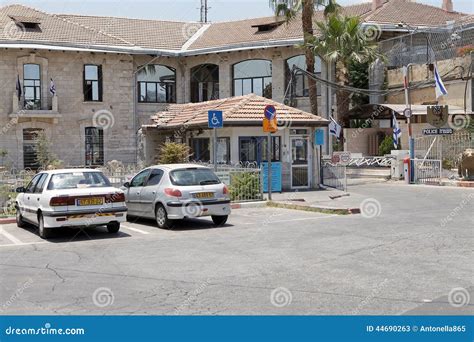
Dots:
pixel 204 195
pixel 81 202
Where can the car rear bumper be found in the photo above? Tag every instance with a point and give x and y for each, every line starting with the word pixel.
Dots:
pixel 84 218
pixel 185 209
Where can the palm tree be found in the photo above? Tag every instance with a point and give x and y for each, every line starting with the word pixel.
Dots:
pixel 342 41
pixel 290 9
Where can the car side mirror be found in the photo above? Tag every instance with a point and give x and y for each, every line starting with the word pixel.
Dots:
pixel 20 189
pixel 126 184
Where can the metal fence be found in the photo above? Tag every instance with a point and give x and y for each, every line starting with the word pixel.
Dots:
pixel 245 180
pixel 427 45
pixel 427 171
pixel 447 148
pixel 334 176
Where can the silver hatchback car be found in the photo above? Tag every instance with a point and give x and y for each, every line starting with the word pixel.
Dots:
pixel 177 191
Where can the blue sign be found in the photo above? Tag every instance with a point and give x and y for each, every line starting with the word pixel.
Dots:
pixel 276 177
pixel 270 112
pixel 319 137
pixel 215 119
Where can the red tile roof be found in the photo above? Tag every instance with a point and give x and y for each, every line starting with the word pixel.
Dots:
pixel 244 110
pixel 136 34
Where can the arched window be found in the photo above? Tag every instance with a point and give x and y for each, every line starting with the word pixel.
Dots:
pixel 299 84
pixel 30 147
pixel 253 76
pixel 204 82
pixel 94 146
pixel 156 84
pixel 32 86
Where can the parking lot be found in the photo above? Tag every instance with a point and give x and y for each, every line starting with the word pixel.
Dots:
pixel 406 259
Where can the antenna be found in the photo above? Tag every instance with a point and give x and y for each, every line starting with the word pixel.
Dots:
pixel 204 10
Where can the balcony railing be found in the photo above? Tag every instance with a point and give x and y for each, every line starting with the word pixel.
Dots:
pixel 30 109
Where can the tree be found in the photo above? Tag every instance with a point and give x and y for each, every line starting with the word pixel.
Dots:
pixel 290 9
pixel 44 157
pixel 342 41
pixel 173 153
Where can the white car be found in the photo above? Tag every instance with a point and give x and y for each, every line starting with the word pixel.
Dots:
pixel 177 191
pixel 70 198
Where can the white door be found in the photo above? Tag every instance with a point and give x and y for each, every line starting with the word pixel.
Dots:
pixel 300 163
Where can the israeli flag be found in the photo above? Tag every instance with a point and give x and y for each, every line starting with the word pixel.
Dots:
pixel 397 132
pixel 439 86
pixel 52 88
pixel 18 87
pixel 334 128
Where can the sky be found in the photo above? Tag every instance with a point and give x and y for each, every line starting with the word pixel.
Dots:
pixel 182 10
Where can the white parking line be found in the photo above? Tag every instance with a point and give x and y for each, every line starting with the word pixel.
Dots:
pixel 24 244
pixel 10 237
pixel 135 230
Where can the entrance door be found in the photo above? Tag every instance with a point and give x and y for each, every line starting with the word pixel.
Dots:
pixel 300 164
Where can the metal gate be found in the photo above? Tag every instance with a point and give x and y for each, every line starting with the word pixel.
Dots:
pixel 334 176
pixel 427 171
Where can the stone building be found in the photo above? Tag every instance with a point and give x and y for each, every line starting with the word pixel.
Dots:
pixel 112 74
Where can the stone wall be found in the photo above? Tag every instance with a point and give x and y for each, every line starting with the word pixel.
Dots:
pixel 121 113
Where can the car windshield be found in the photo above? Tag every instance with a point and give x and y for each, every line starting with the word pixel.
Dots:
pixel 188 177
pixel 77 180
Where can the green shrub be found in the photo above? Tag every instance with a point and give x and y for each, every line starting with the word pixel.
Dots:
pixel 386 146
pixel 173 153
pixel 245 186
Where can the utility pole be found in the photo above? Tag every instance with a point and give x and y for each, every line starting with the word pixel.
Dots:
pixel 204 10
pixel 411 141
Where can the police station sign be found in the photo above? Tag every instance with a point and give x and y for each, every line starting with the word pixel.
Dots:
pixel 437 131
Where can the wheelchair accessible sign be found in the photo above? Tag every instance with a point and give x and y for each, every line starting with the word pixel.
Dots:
pixel 215 119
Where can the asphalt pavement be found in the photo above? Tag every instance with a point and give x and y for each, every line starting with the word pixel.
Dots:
pixel 408 252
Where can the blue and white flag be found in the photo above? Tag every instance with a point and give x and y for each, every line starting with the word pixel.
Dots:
pixel 18 87
pixel 334 128
pixel 397 132
pixel 52 88
pixel 439 86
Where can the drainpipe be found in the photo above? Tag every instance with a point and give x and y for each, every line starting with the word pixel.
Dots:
pixel 135 114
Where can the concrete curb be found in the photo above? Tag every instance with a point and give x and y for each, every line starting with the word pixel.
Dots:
pixel 258 204
pixel 7 220
pixel 462 184
pixel 318 209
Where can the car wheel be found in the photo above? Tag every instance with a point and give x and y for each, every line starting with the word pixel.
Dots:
pixel 161 217
pixel 19 219
pixel 113 227
pixel 219 220
pixel 43 232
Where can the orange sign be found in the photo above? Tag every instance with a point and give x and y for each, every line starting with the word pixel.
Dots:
pixel 270 126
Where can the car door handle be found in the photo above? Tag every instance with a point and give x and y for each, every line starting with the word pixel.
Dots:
pixel 138 192
pixel 28 198
pixel 153 192
pixel 38 199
